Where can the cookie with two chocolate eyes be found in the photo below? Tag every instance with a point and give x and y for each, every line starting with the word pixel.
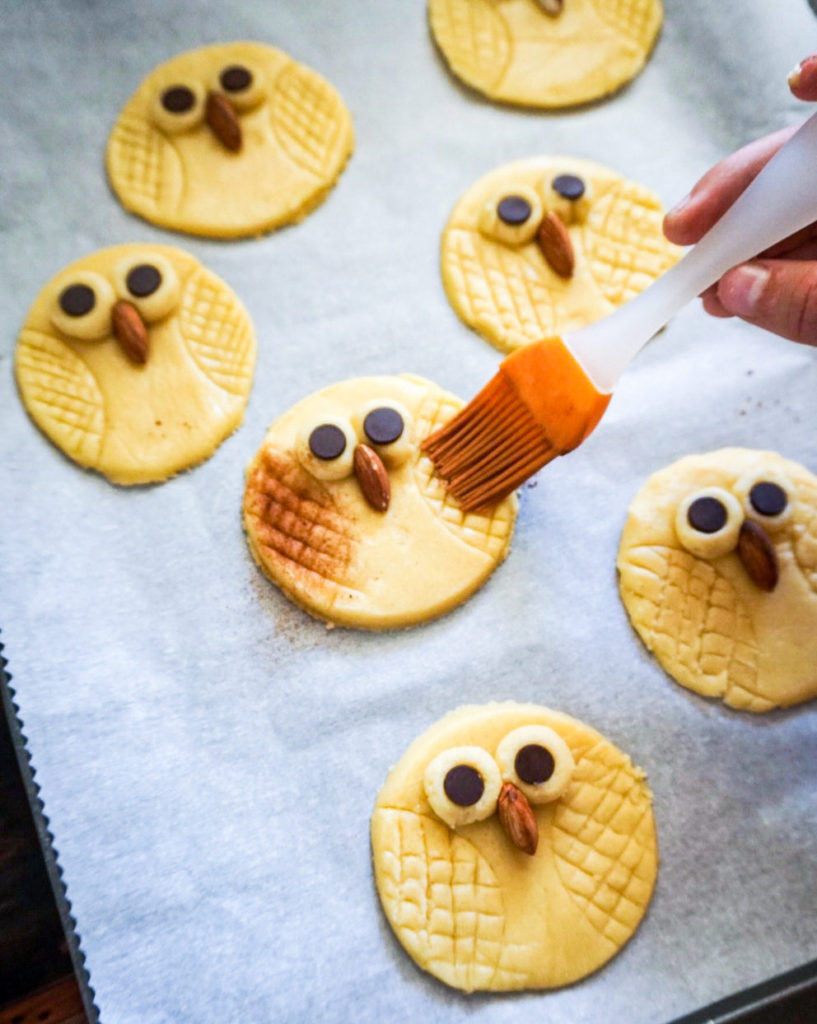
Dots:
pixel 514 847
pixel 545 53
pixel 228 141
pixel 349 518
pixel 718 573
pixel 136 361
pixel 545 245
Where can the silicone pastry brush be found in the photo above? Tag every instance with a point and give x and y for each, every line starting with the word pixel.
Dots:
pixel 548 396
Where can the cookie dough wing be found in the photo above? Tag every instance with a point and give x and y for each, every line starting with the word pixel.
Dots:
pixel 61 394
pixel 474 38
pixel 217 332
pixel 635 20
pixel 623 241
pixel 442 899
pixel 311 122
pixel 604 843
pixel 489 532
pixel 496 291
pixel 692 619
pixel 805 544
pixel 143 167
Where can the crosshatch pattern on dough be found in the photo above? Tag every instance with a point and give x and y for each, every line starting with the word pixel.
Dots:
pixel 295 141
pixel 710 626
pixel 513 52
pixel 414 558
pixel 510 295
pixel 138 422
pixel 477 913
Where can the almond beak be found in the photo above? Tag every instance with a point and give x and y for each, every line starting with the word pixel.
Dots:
pixel 758 555
pixel 220 115
pixel 130 331
pixel 373 477
pixel 517 818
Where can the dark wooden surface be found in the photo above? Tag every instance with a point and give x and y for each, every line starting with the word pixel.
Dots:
pixel 37 982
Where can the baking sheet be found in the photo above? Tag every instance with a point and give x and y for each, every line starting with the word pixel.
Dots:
pixel 209 755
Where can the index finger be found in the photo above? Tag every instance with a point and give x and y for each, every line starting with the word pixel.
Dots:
pixel 720 187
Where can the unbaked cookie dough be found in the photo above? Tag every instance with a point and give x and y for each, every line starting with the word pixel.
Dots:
pixel 229 141
pixel 545 53
pixel 514 847
pixel 136 361
pixel 345 514
pixel 718 573
pixel 512 275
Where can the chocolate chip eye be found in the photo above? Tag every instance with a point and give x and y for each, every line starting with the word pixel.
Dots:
pixel 569 186
pixel 77 300
pixel 767 498
pixel 534 764
pixel 383 425
pixel 327 442
pixel 707 515
pixel 235 78
pixel 178 99
pixel 143 280
pixel 537 760
pixel 513 209
pixel 463 785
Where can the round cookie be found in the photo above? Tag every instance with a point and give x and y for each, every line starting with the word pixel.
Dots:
pixel 718 573
pixel 136 361
pixel 228 141
pixel 497 902
pixel 345 514
pixel 545 53
pixel 505 248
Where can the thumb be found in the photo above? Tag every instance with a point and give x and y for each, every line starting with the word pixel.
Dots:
pixel 779 295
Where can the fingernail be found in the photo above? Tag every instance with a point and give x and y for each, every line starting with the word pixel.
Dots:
pixel 680 206
pixel 743 288
pixel 794 75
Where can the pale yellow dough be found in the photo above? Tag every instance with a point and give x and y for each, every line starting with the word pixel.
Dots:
pixel 137 423
pixel 297 136
pixel 511 50
pixel 509 293
pixel 314 534
pixel 711 628
pixel 478 913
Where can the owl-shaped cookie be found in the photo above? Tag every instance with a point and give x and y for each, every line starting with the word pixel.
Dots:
pixel 136 361
pixel 545 245
pixel 718 573
pixel 514 847
pixel 545 53
pixel 345 514
pixel 228 141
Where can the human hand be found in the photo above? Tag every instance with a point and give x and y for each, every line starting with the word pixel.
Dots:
pixel 778 289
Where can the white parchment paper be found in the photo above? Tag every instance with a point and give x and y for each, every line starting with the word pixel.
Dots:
pixel 208 755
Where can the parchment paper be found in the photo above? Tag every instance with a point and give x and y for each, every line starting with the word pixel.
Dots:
pixel 208 755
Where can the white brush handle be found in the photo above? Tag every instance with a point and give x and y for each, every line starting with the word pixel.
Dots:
pixel 782 199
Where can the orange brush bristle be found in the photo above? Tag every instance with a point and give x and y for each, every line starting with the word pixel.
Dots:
pixel 539 405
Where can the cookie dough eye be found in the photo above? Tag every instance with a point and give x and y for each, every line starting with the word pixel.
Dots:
pixel 708 522
pixel 570 196
pixel 386 426
pixel 537 760
pixel 178 107
pixel 326 448
pixel 243 86
pixel 82 308
pixel 150 283
pixel 512 216
pixel 462 785
pixel 766 498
